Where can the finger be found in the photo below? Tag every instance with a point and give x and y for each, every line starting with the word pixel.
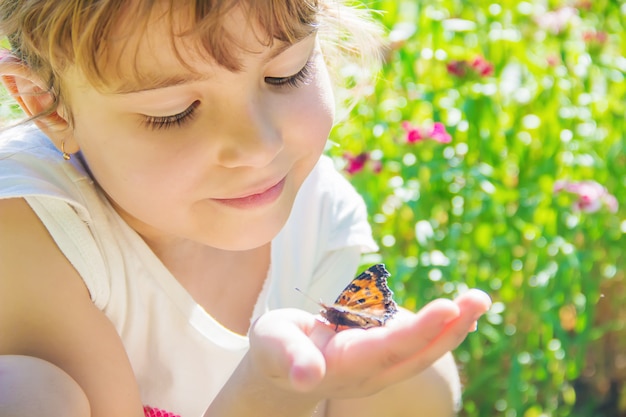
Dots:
pixel 383 347
pixel 282 350
pixel 475 300
pixel 471 305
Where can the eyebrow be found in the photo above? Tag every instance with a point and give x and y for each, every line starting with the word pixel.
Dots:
pixel 158 81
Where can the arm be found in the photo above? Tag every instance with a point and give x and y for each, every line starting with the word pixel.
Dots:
pixel 46 313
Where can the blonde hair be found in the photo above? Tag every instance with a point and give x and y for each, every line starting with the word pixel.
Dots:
pixel 50 36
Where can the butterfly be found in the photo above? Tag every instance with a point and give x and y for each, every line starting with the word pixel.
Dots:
pixel 366 302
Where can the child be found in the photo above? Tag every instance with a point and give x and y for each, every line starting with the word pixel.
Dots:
pixel 163 203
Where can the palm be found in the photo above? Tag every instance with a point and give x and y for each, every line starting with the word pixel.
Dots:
pixel 299 351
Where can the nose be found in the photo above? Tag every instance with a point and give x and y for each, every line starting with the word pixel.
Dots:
pixel 251 135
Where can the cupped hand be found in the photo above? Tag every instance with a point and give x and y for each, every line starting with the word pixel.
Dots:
pixel 298 352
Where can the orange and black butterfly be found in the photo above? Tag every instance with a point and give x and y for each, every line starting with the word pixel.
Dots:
pixel 366 302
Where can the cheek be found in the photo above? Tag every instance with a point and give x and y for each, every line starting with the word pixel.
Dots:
pixel 313 116
pixel 126 168
pixel 325 95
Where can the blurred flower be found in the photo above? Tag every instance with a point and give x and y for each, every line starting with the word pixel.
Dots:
pixel 553 60
pixel 478 66
pixel 482 67
pixel 399 34
pixel 591 195
pixel 440 134
pixel 584 4
pixel 556 21
pixel 377 166
pixel 457 68
pixel 413 134
pixel 355 163
pixel 436 132
pixel 594 38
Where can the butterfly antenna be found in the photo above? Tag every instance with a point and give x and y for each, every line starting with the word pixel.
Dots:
pixel 308 296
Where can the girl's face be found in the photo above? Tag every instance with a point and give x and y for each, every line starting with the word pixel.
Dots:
pixel 208 155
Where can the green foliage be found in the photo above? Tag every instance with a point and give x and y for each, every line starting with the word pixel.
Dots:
pixel 482 211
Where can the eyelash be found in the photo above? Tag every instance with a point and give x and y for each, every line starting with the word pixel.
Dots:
pixel 166 122
pixel 301 77
pixel 176 120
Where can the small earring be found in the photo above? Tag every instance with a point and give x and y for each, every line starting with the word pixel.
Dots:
pixel 66 155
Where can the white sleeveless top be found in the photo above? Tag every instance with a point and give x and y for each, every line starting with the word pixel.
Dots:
pixel 181 356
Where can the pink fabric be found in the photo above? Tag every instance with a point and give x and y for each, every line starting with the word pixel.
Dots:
pixel 155 412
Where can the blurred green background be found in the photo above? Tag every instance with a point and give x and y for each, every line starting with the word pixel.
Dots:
pixel 491 155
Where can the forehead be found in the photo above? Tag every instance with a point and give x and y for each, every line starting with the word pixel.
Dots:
pixel 170 41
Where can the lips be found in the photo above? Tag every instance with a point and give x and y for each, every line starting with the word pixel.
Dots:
pixel 265 197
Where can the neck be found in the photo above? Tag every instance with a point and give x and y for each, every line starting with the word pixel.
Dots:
pixel 225 283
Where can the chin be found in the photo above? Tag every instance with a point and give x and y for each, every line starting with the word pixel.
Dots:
pixel 247 235
pixel 244 243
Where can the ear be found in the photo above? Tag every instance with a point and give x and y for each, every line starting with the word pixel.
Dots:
pixel 37 101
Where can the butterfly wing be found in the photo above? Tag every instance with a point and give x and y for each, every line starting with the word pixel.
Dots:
pixel 366 302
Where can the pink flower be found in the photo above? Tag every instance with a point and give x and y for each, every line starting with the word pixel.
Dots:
pixel 440 134
pixel 436 132
pixel 458 68
pixel 553 60
pixel 355 163
pixel 482 67
pixel 377 166
pixel 595 37
pixel 591 195
pixel 557 20
pixel 476 67
pixel 584 4
pixel 413 134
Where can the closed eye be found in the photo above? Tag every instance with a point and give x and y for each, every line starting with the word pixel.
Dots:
pixel 166 122
pixel 302 77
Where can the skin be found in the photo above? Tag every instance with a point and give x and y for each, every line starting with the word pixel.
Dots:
pixel 246 135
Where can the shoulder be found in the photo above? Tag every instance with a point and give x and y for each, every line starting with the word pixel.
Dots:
pixel 25 142
pixel 46 311
pixel 31 165
pixel 33 271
